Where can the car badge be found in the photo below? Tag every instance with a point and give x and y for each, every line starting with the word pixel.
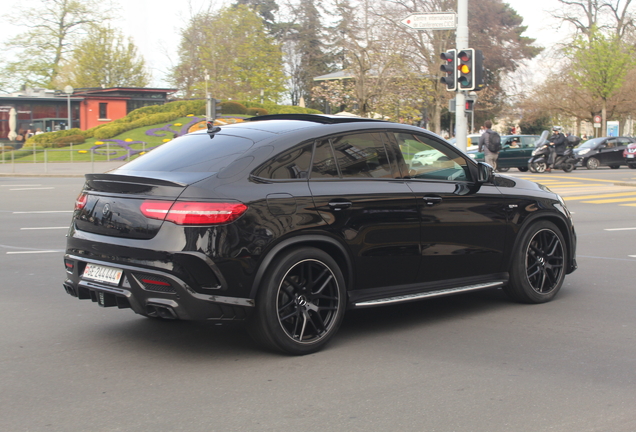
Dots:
pixel 106 211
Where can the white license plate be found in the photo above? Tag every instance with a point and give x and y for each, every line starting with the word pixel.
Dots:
pixel 102 274
pixel 630 156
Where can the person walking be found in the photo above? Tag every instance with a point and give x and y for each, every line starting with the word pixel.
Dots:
pixel 490 145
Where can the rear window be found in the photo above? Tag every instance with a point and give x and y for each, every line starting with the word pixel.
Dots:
pixel 193 153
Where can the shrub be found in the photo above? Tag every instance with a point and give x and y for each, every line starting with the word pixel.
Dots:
pixel 256 111
pixel 66 140
pixel 231 107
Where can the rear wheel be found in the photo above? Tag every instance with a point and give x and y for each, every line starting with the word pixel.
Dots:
pixel 503 169
pixel 523 168
pixel 538 267
pixel 632 166
pixel 568 167
pixel 615 166
pixel 592 163
pixel 300 304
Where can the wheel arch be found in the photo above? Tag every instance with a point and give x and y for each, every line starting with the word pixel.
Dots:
pixel 560 223
pixel 327 244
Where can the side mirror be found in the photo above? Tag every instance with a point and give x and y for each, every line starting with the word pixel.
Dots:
pixel 485 173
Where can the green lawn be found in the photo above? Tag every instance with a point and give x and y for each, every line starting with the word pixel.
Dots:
pixel 136 140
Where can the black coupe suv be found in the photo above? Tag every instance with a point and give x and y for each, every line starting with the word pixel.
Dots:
pixel 287 221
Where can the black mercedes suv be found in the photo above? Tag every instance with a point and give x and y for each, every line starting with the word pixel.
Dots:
pixel 287 221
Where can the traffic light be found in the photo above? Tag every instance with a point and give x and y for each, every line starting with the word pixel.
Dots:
pixel 469 105
pixel 470 64
pixel 216 108
pixel 450 68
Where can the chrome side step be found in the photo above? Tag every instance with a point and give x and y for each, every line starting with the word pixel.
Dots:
pixel 428 294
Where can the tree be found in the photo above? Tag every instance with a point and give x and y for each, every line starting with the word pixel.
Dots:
pixel 600 65
pixel 53 30
pixel 585 15
pixel 105 59
pixel 239 56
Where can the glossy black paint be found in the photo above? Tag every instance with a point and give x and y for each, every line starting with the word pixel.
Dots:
pixel 390 235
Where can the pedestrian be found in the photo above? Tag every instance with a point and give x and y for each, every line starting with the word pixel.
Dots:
pixel 490 145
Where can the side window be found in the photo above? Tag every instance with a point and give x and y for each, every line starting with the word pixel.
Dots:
pixel 611 143
pixel 624 141
pixel 528 141
pixel 362 156
pixel 428 159
pixel 324 165
pixel 293 164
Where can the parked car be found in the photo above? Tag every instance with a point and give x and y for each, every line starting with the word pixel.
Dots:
pixel 515 152
pixel 629 154
pixel 607 151
pixel 286 221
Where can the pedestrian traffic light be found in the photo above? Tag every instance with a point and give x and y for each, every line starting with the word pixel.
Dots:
pixel 470 70
pixel 469 105
pixel 450 68
pixel 216 109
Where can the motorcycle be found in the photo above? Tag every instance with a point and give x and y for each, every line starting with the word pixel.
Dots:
pixel 538 163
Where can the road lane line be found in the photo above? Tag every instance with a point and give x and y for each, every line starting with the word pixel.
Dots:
pixel 33 252
pixel 43 211
pixel 609 201
pixel 44 228
pixel 34 188
pixel 619 229
pixel 610 195
pixel 27 185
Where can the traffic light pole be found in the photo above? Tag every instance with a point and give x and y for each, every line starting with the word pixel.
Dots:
pixel 461 42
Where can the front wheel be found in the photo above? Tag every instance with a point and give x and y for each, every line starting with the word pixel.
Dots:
pixel 592 163
pixel 522 168
pixel 300 303
pixel 632 166
pixel 568 167
pixel 503 169
pixel 538 266
pixel 539 167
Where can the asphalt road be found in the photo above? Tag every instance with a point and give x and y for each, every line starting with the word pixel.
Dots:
pixel 474 362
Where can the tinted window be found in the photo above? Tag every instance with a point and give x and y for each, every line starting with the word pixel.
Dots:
pixel 293 164
pixel 324 161
pixel 362 156
pixel 428 159
pixel 193 153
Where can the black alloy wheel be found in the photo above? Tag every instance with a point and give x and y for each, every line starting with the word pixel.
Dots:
pixel 592 163
pixel 538 267
pixel 300 304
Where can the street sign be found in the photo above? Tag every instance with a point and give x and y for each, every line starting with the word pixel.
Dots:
pixel 431 21
pixel 597 119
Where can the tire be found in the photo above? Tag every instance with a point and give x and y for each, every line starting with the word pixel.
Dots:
pixel 503 169
pixel 632 166
pixel 540 167
pixel 537 270
pixel 592 163
pixel 523 169
pixel 568 167
pixel 615 166
pixel 532 168
pixel 300 304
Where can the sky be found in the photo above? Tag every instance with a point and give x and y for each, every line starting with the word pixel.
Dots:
pixel 154 26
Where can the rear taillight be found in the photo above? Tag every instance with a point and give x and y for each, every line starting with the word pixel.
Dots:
pixel 80 201
pixel 192 213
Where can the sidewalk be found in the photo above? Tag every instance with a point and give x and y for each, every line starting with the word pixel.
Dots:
pixel 56 169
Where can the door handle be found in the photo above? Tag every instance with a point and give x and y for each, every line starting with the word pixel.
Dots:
pixel 340 205
pixel 431 201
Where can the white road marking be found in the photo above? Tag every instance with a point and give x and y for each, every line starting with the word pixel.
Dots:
pixel 14 185
pixel 44 228
pixel 619 229
pixel 44 211
pixel 33 252
pixel 34 188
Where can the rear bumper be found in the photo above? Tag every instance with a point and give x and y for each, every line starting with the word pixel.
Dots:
pixel 169 297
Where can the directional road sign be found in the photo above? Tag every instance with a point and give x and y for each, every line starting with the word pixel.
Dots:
pixel 431 21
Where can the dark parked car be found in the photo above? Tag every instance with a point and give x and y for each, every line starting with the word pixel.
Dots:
pixel 286 221
pixel 629 154
pixel 606 151
pixel 515 152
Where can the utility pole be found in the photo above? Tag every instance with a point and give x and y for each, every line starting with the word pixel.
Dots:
pixel 461 43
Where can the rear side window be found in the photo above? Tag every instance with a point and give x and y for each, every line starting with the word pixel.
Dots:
pixel 193 153
pixel 362 156
pixel 293 164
